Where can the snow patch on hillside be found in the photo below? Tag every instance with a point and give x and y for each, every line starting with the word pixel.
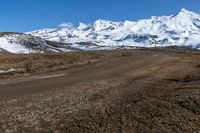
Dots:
pixel 13 47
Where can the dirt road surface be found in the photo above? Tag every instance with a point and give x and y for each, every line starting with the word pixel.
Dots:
pixel 144 91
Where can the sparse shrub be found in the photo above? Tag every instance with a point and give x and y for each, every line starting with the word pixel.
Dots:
pixel 71 62
pixel 28 66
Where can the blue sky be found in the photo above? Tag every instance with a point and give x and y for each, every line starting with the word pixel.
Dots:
pixel 27 15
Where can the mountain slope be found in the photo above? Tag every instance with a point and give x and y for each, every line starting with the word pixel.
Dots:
pixel 22 43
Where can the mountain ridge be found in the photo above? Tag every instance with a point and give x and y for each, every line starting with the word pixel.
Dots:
pixel 182 29
pixel 175 26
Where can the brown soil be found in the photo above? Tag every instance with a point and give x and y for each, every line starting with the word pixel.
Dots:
pixel 113 91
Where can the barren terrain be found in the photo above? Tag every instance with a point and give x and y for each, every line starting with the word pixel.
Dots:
pixel 109 91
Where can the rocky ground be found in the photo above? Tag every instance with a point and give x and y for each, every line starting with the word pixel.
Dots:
pixel 109 91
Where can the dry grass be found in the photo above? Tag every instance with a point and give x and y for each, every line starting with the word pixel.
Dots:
pixel 145 91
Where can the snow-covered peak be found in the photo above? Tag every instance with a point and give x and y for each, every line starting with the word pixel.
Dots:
pixel 185 11
pixel 82 26
pixel 101 25
pixel 185 21
pixel 188 15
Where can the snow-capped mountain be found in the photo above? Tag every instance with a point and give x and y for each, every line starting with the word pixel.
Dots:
pixel 182 29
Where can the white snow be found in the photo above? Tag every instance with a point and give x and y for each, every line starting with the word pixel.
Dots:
pixel 9 71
